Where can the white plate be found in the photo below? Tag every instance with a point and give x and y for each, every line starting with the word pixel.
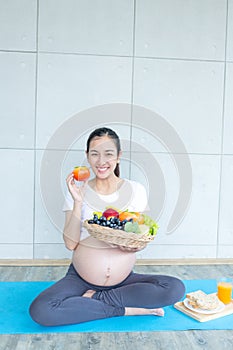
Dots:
pixel 202 311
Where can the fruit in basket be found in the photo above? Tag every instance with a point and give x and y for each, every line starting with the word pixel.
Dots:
pixel 125 240
pixel 136 228
pixel 127 215
pixel 98 213
pixel 151 223
pixel 140 219
pixel 133 222
pixel 110 212
pixel 144 229
pixel 81 173
pixel 111 222
pixel 132 227
pixel 134 215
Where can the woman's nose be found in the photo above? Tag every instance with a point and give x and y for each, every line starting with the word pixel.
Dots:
pixel 102 159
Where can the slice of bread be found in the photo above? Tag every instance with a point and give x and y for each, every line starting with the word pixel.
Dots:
pixel 201 300
pixel 195 297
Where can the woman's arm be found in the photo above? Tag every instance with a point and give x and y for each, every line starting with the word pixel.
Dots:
pixel 72 227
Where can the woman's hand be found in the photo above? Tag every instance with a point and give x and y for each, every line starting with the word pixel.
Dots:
pixel 76 192
pixel 125 249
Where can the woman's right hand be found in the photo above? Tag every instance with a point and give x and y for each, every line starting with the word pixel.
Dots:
pixel 76 192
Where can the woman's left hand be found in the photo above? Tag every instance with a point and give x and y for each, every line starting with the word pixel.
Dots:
pixel 127 249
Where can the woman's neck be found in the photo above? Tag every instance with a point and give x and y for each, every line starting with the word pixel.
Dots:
pixel 106 186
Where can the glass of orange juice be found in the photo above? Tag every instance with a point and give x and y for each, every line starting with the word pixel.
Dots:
pixel 224 293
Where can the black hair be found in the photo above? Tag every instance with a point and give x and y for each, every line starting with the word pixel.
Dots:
pixel 112 135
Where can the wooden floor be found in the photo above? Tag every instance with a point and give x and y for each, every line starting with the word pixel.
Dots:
pixel 185 340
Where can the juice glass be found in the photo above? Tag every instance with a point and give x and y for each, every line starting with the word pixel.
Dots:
pixel 224 286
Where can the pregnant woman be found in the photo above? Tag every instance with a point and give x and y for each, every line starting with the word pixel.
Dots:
pixel 100 281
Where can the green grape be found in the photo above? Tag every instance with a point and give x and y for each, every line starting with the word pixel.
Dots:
pixel 151 223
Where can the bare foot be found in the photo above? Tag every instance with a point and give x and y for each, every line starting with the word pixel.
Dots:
pixel 131 311
pixel 88 293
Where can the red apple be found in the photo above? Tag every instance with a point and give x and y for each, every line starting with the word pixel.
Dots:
pixel 110 213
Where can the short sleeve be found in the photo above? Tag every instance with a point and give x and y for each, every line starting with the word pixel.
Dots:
pixel 140 198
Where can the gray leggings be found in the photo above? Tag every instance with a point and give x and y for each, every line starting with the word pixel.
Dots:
pixel 63 304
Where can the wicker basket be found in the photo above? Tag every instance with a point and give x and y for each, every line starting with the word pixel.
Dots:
pixel 118 237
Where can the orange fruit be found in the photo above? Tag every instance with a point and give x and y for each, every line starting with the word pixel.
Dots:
pixel 126 215
pixel 81 173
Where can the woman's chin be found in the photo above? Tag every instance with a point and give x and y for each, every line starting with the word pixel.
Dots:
pixel 103 174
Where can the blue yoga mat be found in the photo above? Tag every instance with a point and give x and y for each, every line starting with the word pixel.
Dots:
pixel 15 298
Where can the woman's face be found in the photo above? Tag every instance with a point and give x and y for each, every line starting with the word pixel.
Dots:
pixel 102 156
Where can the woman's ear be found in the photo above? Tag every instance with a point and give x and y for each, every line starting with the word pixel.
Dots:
pixel 119 156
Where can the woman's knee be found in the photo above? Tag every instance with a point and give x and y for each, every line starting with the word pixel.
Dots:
pixel 39 311
pixel 177 288
pixel 172 288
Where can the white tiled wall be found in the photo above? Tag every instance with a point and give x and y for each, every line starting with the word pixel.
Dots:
pixel 17 85
pixel 62 59
pixel 77 83
pixel 101 28
pixel 18 22
pixel 230 31
pixel 17 194
pixel 181 29
pixel 188 94
pixel 228 120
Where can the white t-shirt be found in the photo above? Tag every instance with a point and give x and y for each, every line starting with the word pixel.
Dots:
pixel 131 195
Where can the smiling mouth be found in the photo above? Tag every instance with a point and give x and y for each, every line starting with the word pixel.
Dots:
pixel 102 170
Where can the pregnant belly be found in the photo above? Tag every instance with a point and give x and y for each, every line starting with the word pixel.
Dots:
pixel 101 265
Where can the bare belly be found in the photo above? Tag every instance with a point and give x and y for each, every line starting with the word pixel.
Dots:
pixel 99 264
